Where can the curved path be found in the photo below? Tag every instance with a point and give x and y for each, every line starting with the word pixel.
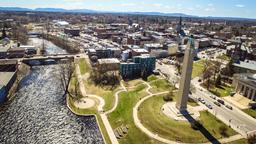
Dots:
pixel 159 138
pixel 103 116
pixel 135 113
pixel 116 98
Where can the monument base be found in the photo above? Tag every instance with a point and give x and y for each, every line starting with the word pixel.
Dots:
pixel 170 110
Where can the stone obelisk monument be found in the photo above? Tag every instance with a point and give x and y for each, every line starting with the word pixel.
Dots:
pixel 187 65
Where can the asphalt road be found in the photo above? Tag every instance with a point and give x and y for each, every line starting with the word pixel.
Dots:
pixel 237 119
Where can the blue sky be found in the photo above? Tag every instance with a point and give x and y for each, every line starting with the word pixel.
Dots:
pixel 230 8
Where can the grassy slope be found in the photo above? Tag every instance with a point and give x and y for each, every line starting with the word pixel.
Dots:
pixel 160 85
pixel 197 68
pixel 222 91
pixel 123 116
pixel 152 78
pixel 106 93
pixel 157 122
pixel 83 66
pixel 250 112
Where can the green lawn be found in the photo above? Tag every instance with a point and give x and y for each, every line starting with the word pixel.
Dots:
pixel 223 57
pixel 198 68
pixel 152 118
pixel 132 83
pixel 251 112
pixel 222 91
pixel 160 85
pixel 123 116
pixel 107 93
pixel 152 78
pixel 84 68
pixel 91 111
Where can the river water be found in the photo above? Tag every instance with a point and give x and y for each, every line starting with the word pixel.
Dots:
pixel 38 114
pixel 50 47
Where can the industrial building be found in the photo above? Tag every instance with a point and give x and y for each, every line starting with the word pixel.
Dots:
pixel 140 65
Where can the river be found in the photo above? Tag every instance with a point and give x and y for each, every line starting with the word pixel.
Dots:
pixel 38 114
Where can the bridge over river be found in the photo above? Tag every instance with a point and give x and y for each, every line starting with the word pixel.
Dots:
pixel 38 114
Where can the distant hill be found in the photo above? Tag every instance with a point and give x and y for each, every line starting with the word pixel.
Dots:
pixel 63 10
pixel 133 13
pixel 14 9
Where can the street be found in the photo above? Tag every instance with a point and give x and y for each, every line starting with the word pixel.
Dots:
pixel 237 119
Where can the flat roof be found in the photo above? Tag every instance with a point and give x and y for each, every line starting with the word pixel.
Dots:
pixel 140 50
pixel 251 65
pixel 4 49
pixel 108 61
pixel 5 77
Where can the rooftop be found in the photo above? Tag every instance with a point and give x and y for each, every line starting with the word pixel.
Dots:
pixel 251 65
pixel 108 61
pixel 5 77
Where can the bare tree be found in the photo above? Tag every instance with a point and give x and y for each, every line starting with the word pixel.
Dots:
pixel 65 70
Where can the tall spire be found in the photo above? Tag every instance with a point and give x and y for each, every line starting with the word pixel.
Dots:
pixel 183 92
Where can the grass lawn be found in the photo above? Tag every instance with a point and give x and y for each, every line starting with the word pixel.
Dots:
pixel 223 57
pixel 84 68
pixel 222 91
pixel 91 111
pixel 198 68
pixel 132 83
pixel 123 116
pixel 152 78
pixel 152 118
pixel 107 93
pixel 160 85
pixel 251 112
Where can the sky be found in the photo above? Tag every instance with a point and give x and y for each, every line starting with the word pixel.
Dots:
pixel 223 8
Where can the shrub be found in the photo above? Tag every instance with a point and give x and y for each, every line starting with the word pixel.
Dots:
pixel 167 98
pixel 252 139
pixel 223 131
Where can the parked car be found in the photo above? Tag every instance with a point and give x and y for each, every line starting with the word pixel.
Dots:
pixel 213 97
pixel 202 101
pixel 229 107
pixel 216 103
pixel 221 101
pixel 209 106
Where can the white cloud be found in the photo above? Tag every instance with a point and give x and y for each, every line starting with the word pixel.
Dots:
pixel 158 5
pixel 128 4
pixel 209 9
pixel 240 5
pixel 210 4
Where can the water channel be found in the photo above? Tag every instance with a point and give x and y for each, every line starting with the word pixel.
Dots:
pixel 38 113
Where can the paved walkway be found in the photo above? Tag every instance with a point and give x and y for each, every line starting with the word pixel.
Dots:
pixel 103 116
pixel 135 113
pixel 116 98
pixel 138 123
